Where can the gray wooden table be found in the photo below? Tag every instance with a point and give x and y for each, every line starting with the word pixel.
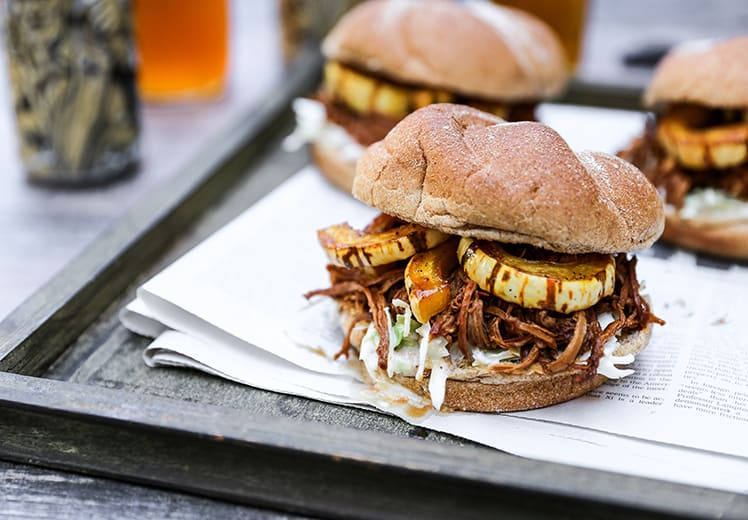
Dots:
pixel 42 229
pixel 30 492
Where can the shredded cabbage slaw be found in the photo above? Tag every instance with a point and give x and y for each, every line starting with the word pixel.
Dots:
pixel 312 126
pixel 714 204
pixel 411 352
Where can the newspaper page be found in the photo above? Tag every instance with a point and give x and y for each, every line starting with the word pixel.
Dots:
pixel 691 384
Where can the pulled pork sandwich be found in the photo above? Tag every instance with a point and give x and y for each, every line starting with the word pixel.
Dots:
pixel 388 58
pixel 695 150
pixel 497 277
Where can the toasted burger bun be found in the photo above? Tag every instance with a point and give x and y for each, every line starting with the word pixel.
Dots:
pixel 479 389
pixel 705 73
pixel 336 169
pixel 464 172
pixel 474 49
pixel 728 239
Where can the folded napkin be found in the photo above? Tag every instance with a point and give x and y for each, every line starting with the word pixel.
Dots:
pixel 232 307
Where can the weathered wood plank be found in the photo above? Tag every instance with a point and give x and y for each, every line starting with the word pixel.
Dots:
pixel 32 492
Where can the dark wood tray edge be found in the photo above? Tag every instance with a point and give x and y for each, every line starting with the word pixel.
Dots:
pixel 585 92
pixel 42 327
pixel 226 453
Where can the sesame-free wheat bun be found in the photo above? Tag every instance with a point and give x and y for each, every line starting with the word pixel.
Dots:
pixel 708 73
pixel 336 168
pixel 387 58
pixel 728 239
pixel 471 48
pixel 464 172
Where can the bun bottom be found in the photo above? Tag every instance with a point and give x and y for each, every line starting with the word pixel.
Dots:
pixel 474 389
pixel 334 168
pixel 726 239
pixel 496 392
pixel 513 394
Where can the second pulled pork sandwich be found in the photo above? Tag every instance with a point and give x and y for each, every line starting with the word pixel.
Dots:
pixel 387 58
pixel 695 150
pixel 497 277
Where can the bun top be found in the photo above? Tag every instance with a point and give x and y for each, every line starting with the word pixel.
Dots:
pixel 709 73
pixel 472 48
pixel 465 172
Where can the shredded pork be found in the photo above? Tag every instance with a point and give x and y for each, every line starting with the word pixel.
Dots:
pixel 475 318
pixel 372 127
pixel 666 174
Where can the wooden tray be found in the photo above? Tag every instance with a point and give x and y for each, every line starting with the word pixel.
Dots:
pixel 75 394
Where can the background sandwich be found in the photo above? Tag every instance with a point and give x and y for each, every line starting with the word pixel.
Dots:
pixel 695 150
pixel 497 277
pixel 387 58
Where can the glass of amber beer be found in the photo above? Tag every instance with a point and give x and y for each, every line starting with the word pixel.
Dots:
pixel 183 48
pixel 566 17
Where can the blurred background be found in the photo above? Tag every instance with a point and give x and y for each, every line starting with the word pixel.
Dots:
pixel 187 71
